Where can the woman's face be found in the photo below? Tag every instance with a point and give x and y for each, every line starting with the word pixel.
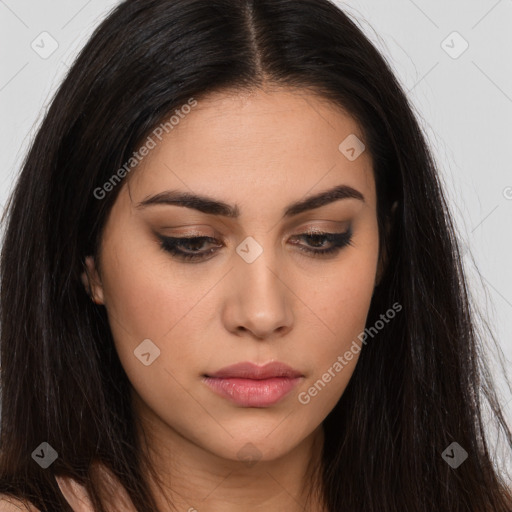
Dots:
pixel 253 293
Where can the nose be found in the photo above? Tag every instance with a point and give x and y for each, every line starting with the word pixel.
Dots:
pixel 259 301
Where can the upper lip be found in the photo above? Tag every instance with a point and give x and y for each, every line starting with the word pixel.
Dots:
pixel 249 370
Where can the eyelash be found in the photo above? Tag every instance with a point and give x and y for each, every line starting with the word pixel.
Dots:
pixel 339 240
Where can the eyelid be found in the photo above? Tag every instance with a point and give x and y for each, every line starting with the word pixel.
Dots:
pixel 328 227
pixel 315 231
pixel 336 227
pixel 191 232
pixel 338 239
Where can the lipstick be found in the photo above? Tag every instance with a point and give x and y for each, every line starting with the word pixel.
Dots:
pixel 249 385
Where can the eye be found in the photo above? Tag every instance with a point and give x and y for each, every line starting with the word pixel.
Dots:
pixel 192 245
pixel 192 249
pixel 336 242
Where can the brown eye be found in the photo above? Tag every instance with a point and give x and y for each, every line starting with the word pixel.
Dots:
pixel 195 249
pixel 336 242
pixel 192 246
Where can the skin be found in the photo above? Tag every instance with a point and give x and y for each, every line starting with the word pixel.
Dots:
pixel 261 151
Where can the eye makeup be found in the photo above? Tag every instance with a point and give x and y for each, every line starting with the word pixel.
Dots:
pixel 318 244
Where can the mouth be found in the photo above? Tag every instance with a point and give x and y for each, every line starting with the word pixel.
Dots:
pixel 250 385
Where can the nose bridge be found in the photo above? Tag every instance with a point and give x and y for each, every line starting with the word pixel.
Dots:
pixel 262 299
pixel 255 271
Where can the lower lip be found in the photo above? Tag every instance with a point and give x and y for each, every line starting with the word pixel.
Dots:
pixel 251 392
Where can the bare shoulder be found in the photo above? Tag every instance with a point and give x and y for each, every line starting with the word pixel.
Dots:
pixel 10 504
pixel 75 494
pixel 115 496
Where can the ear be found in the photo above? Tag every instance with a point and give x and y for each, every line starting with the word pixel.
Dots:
pixel 92 281
pixel 384 253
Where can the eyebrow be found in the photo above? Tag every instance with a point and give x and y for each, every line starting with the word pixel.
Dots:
pixel 213 206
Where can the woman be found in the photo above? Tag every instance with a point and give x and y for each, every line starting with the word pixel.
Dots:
pixel 230 280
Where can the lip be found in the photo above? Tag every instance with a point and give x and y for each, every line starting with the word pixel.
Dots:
pixel 249 370
pixel 249 385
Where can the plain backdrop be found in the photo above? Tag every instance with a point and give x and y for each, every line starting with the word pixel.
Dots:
pixel 454 59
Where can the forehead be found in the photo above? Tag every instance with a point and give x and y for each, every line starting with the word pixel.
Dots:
pixel 254 144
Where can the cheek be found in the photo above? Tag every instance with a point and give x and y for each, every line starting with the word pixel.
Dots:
pixel 339 304
pixel 152 302
pixel 146 294
pixel 147 300
pixel 342 294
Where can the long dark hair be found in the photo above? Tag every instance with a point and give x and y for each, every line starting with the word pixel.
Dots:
pixel 419 385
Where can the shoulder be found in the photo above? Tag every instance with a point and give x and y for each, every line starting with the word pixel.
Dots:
pixel 10 504
pixel 75 494
pixel 115 496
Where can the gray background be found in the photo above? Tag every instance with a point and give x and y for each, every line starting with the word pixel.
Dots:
pixel 464 105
